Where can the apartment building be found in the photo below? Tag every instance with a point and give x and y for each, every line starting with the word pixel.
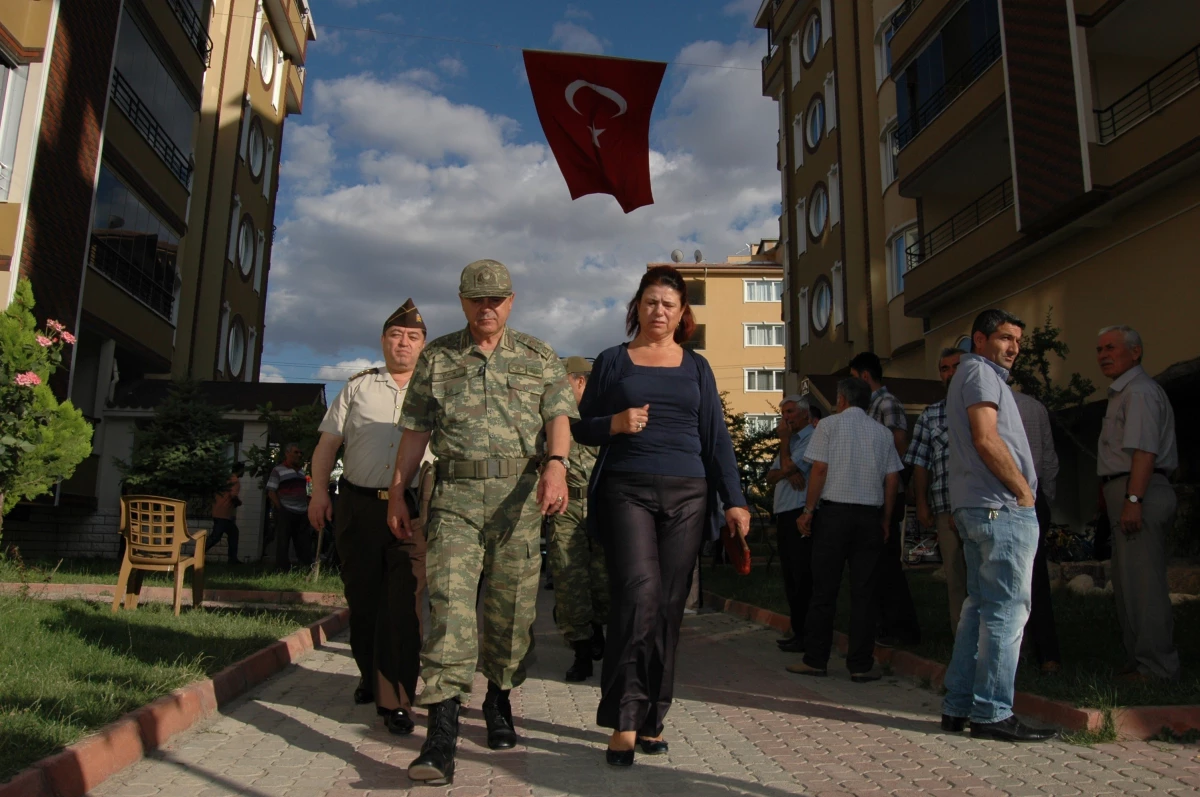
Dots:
pixel 139 162
pixel 1026 154
pixel 739 327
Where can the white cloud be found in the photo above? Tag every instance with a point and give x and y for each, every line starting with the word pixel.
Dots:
pixel 575 38
pixel 452 67
pixel 269 373
pixel 389 16
pixel 426 185
pixel 346 369
pixel 742 8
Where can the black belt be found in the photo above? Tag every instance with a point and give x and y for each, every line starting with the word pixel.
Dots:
pixel 577 493
pixel 484 468
pixel 1110 477
pixel 823 502
pixel 382 495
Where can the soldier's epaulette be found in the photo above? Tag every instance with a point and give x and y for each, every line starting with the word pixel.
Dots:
pixel 540 346
pixel 363 372
pixel 450 341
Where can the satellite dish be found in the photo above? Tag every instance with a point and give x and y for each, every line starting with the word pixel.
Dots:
pixel 699 257
pixel 677 255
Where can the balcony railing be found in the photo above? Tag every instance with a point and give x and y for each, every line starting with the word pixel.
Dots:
pixel 949 91
pixel 125 98
pixel 962 223
pixel 902 13
pixel 151 283
pixel 1165 85
pixel 193 26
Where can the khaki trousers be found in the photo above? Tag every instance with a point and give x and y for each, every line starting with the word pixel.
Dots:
pixel 954 565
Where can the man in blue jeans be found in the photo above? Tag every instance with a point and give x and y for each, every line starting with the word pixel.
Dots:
pixel 992 490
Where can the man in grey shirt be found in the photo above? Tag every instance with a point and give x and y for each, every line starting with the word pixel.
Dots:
pixel 992 489
pixel 1135 456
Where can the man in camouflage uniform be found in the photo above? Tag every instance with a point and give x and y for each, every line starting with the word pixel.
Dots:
pixel 577 561
pixel 482 396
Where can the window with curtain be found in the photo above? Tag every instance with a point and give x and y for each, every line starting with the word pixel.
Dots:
pixel 764 380
pixel 764 334
pixel 897 256
pixel 763 290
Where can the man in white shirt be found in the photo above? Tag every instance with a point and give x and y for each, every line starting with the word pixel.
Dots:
pixel 855 478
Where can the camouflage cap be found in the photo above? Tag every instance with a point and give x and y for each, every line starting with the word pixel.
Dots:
pixel 576 365
pixel 406 315
pixel 484 278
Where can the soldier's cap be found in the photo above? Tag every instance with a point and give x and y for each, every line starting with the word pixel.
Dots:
pixel 406 315
pixel 483 279
pixel 576 365
pixel 797 399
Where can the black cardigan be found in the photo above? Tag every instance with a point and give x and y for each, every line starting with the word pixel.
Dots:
pixel 597 407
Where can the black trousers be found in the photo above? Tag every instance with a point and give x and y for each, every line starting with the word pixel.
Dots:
pixel 841 534
pixel 653 528
pixel 795 557
pixel 384 581
pixel 1040 625
pixel 893 601
pixel 224 527
pixel 292 529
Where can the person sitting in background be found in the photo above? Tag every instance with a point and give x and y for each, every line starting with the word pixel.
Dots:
pixel 224 514
pixel 789 475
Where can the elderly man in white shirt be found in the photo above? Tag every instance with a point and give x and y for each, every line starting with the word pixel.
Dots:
pixel 855 478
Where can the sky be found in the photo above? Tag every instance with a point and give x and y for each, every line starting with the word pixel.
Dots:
pixel 419 151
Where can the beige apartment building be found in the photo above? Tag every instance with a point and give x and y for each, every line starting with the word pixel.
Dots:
pixel 939 157
pixel 139 163
pixel 739 327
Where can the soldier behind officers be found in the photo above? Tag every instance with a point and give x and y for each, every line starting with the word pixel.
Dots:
pixel 384 576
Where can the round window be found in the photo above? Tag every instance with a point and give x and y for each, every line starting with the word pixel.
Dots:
pixel 257 149
pixel 814 126
pixel 266 56
pixel 964 344
pixel 812 38
pixel 818 211
pixel 237 346
pixel 245 247
pixel 822 304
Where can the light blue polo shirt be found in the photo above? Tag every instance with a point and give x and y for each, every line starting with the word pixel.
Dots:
pixel 788 497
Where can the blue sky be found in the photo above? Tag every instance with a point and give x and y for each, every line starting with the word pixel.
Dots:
pixel 417 155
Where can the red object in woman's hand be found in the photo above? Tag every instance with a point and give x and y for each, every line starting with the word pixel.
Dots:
pixel 736 549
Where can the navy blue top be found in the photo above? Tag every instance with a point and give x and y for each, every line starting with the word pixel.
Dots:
pixel 607 394
pixel 670 443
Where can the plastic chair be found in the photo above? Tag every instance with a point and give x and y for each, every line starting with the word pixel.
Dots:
pixel 155 531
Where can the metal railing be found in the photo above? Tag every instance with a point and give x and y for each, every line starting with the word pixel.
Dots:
pixel 154 288
pixel 1163 86
pixel 193 26
pixel 949 91
pixel 962 223
pixel 125 98
pixel 901 15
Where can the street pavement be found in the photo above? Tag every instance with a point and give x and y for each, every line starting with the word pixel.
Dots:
pixel 740 725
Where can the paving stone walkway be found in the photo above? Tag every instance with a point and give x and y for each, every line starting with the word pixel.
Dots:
pixel 740 725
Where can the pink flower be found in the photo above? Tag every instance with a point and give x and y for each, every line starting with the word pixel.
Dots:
pixel 54 325
pixel 44 341
pixel 28 379
pixel 67 337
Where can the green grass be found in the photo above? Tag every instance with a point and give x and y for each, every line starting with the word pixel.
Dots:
pixel 1088 635
pixel 69 667
pixel 216 575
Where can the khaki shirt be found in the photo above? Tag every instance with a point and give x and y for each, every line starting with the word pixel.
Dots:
pixel 1139 417
pixel 486 406
pixel 366 415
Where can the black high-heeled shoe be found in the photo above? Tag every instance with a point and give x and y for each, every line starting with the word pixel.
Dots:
pixel 653 746
pixel 619 758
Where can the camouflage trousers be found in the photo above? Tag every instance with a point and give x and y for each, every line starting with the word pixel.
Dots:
pixel 579 573
pixel 489 528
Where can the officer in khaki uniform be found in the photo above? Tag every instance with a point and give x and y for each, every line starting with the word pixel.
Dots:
pixel 482 395
pixel 384 576
pixel 576 560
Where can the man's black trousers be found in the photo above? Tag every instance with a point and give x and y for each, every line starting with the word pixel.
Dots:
pixel 795 556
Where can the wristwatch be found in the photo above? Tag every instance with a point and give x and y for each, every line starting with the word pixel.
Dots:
pixel 1133 499
pixel 566 463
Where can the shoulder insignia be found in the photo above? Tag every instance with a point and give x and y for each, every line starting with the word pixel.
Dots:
pixel 541 347
pixel 363 372
pixel 450 340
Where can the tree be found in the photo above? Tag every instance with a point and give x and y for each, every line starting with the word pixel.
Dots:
pixel 1031 371
pixel 41 439
pixel 300 426
pixel 754 451
pixel 181 452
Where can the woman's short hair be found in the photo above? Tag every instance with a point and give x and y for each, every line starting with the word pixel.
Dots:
pixel 669 277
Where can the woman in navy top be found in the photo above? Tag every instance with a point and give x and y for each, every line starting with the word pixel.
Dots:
pixel 665 459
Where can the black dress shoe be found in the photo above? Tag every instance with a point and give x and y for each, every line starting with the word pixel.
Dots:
pixel 1010 730
pixel 953 724
pixel 619 758
pixel 653 746
pixel 399 722
pixel 793 645
pixel 497 714
pixel 435 765
pixel 363 694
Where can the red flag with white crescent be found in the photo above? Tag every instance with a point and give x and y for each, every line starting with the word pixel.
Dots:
pixel 595 112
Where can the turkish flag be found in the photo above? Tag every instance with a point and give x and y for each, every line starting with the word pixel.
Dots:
pixel 595 112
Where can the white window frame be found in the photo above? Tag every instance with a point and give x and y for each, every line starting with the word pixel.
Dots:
pixel 896 271
pixel 838 274
pixel 798 141
pixel 888 168
pixel 746 326
pixel 826 21
pixel 779 376
pixel 759 422
pixel 833 188
pixel 830 102
pixel 747 281
pixel 804 316
pixel 794 55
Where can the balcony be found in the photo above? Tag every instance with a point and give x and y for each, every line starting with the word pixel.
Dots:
pixel 961 224
pixel 915 22
pixel 1165 86
pixel 949 91
pixel 194 27
pixel 124 97
pixel 772 71
pixel 138 264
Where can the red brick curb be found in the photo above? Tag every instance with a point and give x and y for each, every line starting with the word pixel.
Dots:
pixel 1134 723
pixel 167 594
pixel 87 763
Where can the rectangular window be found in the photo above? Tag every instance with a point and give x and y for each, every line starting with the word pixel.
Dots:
pixel 764 334
pixel 761 424
pixel 897 256
pixel 696 341
pixel 696 292
pixel 12 97
pixel 764 380
pixel 763 290
pixel 139 64
pixel 889 153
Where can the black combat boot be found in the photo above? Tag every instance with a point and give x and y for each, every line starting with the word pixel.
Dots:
pixel 497 713
pixel 435 765
pixel 581 670
pixel 597 641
